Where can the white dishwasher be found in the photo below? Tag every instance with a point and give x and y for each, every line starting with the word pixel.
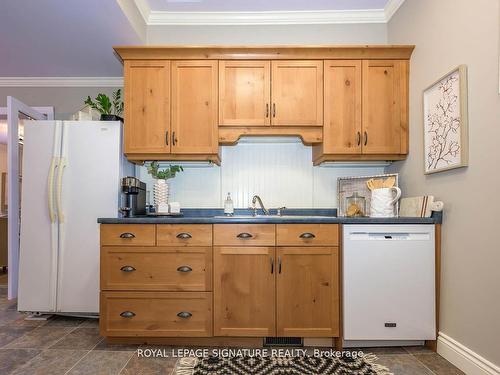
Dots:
pixel 388 284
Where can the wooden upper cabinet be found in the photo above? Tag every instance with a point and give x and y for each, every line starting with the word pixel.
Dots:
pixel 147 106
pixel 244 93
pixel 244 291
pixel 194 107
pixel 342 132
pixel 384 106
pixel 297 92
pixel 307 292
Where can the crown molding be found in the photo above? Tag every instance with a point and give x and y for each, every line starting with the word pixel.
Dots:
pixel 391 7
pixel 157 18
pixel 165 18
pixel 61 81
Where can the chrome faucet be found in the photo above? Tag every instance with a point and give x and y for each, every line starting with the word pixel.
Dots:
pixel 256 199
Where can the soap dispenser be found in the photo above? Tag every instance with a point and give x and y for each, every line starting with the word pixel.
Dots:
pixel 228 206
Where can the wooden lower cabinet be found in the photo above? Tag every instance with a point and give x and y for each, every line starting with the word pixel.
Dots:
pixel 156 268
pixel 244 291
pixel 307 285
pixel 156 314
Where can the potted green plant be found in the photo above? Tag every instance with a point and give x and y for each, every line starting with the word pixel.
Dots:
pixel 161 188
pixel 110 109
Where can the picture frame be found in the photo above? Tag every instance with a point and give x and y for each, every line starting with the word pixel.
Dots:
pixel 346 186
pixel 446 143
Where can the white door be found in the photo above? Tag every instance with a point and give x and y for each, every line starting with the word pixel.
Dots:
pixel 38 244
pixel 91 153
pixel 16 110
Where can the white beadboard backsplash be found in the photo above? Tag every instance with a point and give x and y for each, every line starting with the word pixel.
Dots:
pixel 282 174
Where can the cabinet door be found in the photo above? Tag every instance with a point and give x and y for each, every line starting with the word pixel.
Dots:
pixel 147 106
pixel 244 93
pixel 342 125
pixel 308 292
pixel 297 93
pixel 194 107
pixel 244 291
pixel 383 90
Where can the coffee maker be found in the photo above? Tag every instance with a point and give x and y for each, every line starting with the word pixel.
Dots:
pixel 134 192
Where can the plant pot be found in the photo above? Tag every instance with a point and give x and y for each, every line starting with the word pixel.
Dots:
pixel 111 118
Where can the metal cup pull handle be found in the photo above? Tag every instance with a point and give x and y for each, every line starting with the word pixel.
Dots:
pixel 127 235
pixel 127 314
pixel 184 236
pixel 127 269
pixel 184 269
pixel 307 235
pixel 244 235
pixel 184 314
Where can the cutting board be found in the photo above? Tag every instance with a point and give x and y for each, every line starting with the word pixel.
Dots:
pixel 416 206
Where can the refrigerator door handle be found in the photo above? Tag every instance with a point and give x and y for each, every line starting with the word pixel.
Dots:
pixel 60 172
pixel 50 185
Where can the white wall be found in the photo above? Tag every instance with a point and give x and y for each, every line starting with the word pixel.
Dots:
pixel 448 33
pixel 281 173
pixel 269 34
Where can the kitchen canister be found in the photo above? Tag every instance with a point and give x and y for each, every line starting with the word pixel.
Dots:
pixel 383 202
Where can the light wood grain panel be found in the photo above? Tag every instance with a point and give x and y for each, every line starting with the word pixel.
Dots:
pixel 309 134
pixel 156 268
pixel 381 107
pixel 194 107
pixel 147 106
pixel 252 52
pixel 155 314
pixel 128 234
pixel 300 235
pixel 297 93
pixel 184 234
pixel 244 291
pixel 244 93
pixel 244 234
pixel 342 124
pixel 307 292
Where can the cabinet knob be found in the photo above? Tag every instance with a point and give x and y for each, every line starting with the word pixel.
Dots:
pixel 127 235
pixel 127 314
pixel 184 236
pixel 184 314
pixel 184 269
pixel 347 82
pixel 307 235
pixel 244 235
pixel 127 269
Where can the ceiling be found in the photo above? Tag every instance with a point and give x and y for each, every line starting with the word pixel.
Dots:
pixel 74 38
pixel 62 38
pixel 261 5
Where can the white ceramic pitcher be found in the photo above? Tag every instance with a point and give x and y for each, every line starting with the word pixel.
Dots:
pixel 383 202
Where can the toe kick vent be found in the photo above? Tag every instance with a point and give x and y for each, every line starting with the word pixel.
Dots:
pixel 283 341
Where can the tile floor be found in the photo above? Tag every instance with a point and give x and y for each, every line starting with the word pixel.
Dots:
pixel 73 346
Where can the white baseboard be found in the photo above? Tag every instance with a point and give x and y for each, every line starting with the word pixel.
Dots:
pixel 465 359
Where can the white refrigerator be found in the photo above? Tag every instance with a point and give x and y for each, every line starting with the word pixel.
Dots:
pixel 71 175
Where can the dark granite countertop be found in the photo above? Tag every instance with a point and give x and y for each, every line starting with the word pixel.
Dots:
pixel 291 216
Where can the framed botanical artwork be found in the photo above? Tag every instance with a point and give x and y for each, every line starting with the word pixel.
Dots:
pixel 446 140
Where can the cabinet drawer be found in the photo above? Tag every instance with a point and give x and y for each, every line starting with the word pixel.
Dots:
pixel 128 234
pixel 307 234
pixel 156 268
pixel 156 314
pixel 184 234
pixel 244 234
